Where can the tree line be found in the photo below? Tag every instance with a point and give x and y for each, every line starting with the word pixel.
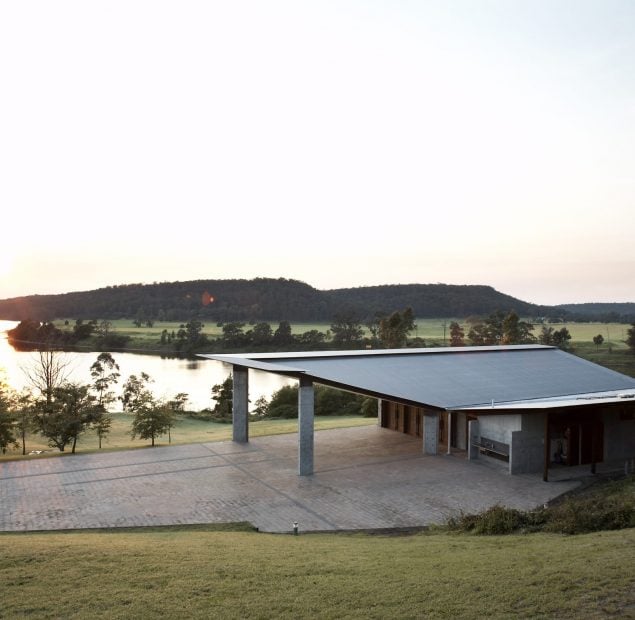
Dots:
pixel 347 331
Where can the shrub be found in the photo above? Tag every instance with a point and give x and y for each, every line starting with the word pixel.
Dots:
pixel 606 506
pixel 493 521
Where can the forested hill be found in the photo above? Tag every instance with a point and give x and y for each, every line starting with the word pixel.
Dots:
pixel 263 299
pixel 432 300
pixel 620 312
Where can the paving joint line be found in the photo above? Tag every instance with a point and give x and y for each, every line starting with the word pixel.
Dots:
pixel 282 493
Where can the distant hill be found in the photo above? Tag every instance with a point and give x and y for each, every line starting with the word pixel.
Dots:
pixel 432 300
pixel 264 299
pixel 618 312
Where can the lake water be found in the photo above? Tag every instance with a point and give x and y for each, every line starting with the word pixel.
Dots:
pixel 171 375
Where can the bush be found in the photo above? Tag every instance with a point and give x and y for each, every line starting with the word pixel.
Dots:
pixel 605 506
pixel 576 516
pixel 495 520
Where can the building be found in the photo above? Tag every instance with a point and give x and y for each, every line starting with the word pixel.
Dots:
pixel 533 407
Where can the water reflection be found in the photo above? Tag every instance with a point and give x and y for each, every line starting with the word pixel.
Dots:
pixel 171 375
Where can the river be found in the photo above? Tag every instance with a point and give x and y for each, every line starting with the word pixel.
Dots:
pixel 171 375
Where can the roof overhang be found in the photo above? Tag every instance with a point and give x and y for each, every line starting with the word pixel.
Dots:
pixel 485 380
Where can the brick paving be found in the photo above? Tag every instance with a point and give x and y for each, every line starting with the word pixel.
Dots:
pixel 365 478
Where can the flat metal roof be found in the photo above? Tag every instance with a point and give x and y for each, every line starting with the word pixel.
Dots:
pixel 447 377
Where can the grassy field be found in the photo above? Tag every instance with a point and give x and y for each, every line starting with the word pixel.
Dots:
pixel 202 573
pixel 186 430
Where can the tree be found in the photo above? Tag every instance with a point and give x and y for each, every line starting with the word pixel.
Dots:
pixel 282 336
pixel 457 335
pixel 261 408
pixel 7 429
pixel 516 331
pixel 105 372
pixel 83 330
pixel 260 335
pixel 71 411
pixel 47 372
pixel 372 324
pixel 598 340
pixel 103 329
pixel 136 393
pixel 102 423
pixel 489 331
pixel 24 416
pixel 284 402
pixel 312 339
pixel 178 402
pixel 347 330
pixel 546 335
pixel 561 338
pixel 233 336
pixel 222 393
pixel 501 328
pixel 151 420
pixel 630 338
pixel 394 329
pixel 190 336
pixel 369 407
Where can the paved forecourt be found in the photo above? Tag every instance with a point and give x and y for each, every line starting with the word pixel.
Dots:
pixel 365 477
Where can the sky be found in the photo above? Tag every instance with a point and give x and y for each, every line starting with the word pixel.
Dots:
pixel 341 143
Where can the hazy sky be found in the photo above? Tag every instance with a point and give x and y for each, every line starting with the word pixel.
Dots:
pixel 341 143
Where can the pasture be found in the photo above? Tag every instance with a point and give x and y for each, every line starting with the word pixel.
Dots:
pixel 201 572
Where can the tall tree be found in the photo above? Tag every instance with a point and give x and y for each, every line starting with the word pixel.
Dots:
pixel 516 331
pixel 546 335
pixel 136 393
pixel 105 373
pixel 283 337
pixel 222 395
pixel 347 330
pixel 457 335
pixel 394 329
pixel 24 416
pixel 561 338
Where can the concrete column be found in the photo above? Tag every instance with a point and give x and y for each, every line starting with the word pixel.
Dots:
pixel 305 427
pixel 430 433
pixel 379 401
pixel 474 437
pixel 240 404
pixel 449 432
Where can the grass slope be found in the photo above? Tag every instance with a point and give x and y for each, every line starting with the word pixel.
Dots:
pixel 186 430
pixel 194 573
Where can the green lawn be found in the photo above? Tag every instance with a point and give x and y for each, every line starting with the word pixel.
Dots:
pixel 186 430
pixel 202 573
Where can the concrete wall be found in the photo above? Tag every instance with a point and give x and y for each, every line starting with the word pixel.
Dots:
pixel 527 448
pixel 458 419
pixel 499 427
pixel 619 436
